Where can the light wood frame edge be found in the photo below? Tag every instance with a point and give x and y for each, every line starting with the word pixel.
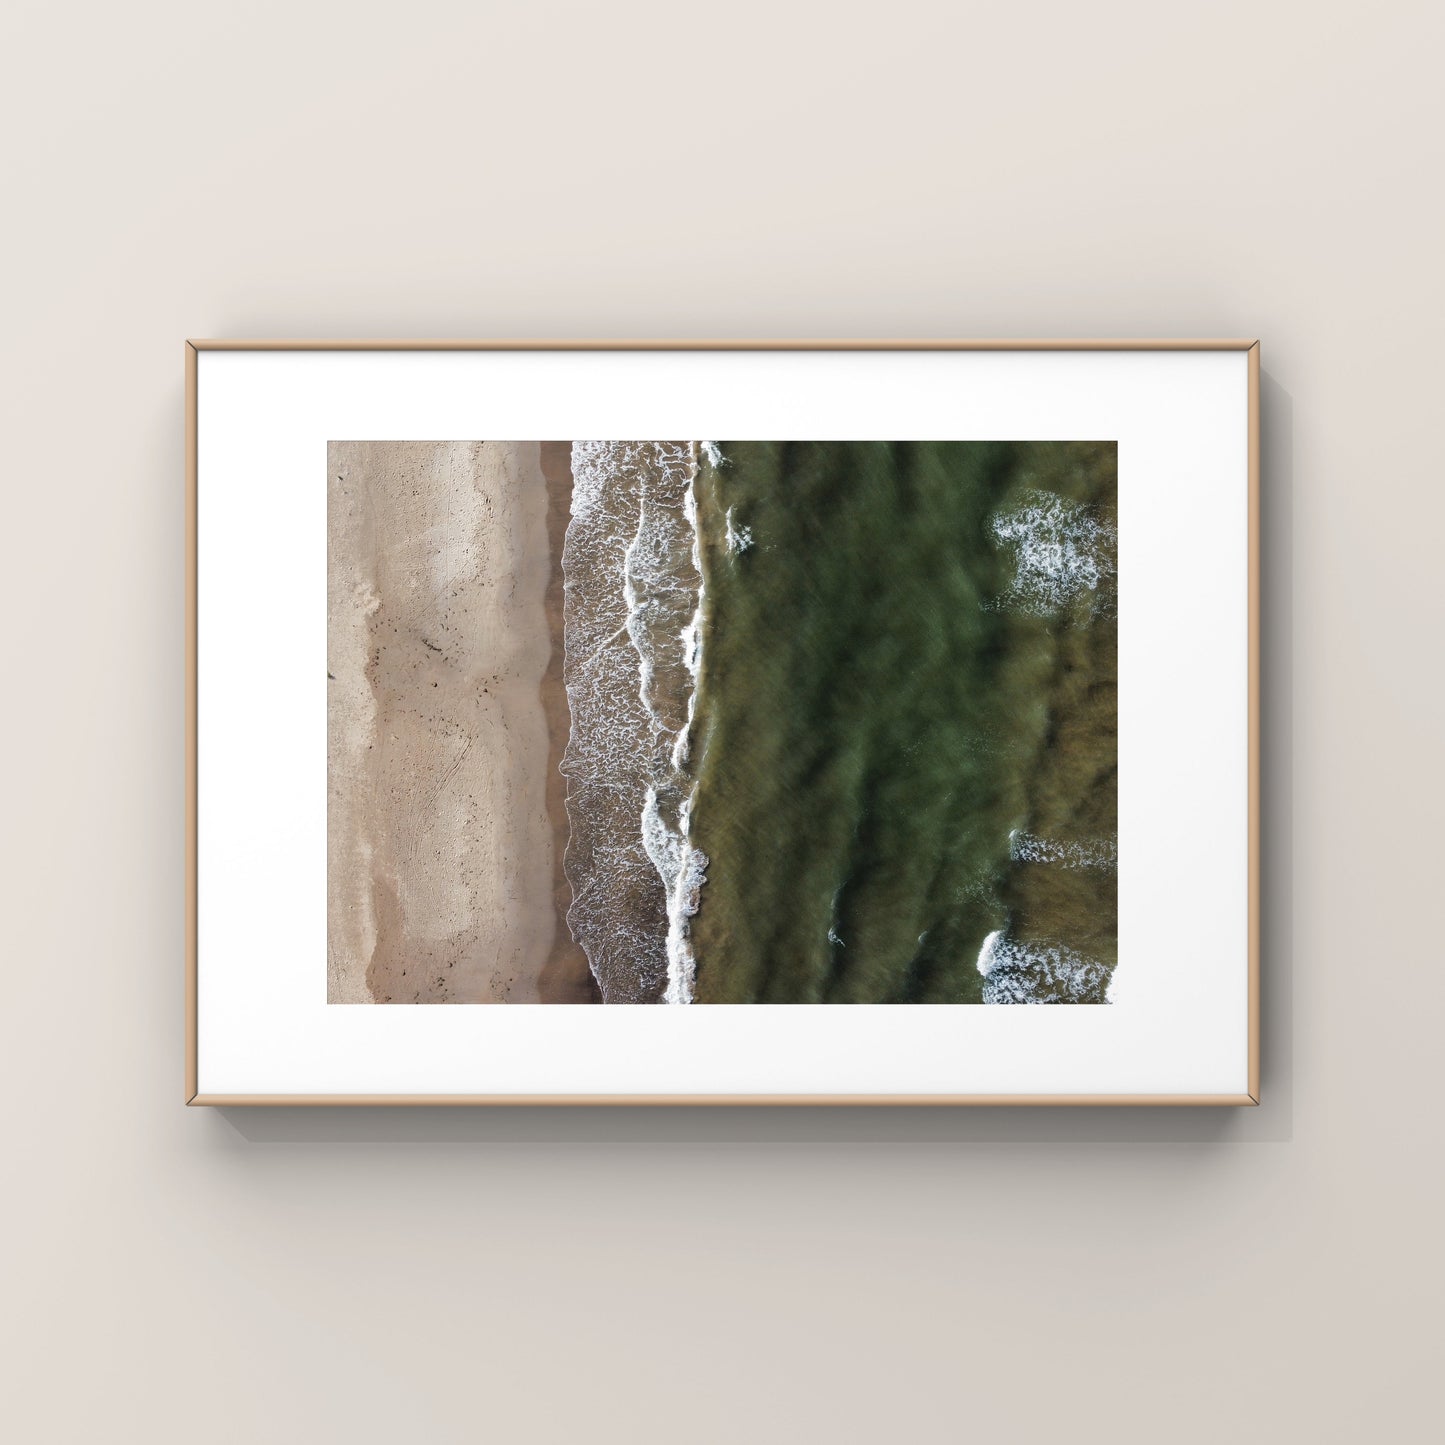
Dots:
pixel 1253 724
pixel 192 955
pixel 192 1095
pixel 730 344
pixel 912 1101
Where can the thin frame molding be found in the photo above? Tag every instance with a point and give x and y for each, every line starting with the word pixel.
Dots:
pixel 193 1096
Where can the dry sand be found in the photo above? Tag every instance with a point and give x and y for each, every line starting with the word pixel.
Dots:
pixel 443 859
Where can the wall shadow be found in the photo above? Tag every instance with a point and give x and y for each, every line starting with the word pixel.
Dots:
pixel 1276 756
pixel 726 1125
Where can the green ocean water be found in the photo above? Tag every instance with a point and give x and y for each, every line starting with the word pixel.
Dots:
pixel 895 680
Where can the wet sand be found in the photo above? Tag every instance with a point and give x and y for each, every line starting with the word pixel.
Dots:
pixel 443 726
pixel 566 976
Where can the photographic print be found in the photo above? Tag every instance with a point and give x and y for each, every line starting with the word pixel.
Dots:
pixel 691 722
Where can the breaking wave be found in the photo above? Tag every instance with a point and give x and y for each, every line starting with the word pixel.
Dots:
pixel 1064 552
pixel 1083 853
pixel 1036 973
pixel 739 538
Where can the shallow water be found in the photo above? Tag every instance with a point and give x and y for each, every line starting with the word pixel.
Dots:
pixel 631 648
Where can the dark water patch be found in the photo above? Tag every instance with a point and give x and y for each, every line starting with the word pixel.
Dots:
pixel 912 659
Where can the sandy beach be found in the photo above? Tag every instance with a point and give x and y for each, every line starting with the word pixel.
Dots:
pixel 444 798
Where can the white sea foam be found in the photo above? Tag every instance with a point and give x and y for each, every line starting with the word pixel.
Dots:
pixel 1078 853
pixel 739 538
pixel 682 744
pixel 1063 551
pixel 1038 973
pixel 987 953
pixel 633 607
pixel 682 868
pixel 683 871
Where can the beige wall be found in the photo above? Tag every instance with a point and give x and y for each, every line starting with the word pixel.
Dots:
pixel 762 168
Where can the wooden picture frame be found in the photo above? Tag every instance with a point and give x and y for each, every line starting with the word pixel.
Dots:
pixel 1245 1092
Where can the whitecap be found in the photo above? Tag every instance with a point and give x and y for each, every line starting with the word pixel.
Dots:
pixel 1063 853
pixel 1039 973
pixel 739 538
pixel 1063 552
pixel 988 950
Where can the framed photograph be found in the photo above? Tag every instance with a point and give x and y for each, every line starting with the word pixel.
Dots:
pixel 722 722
